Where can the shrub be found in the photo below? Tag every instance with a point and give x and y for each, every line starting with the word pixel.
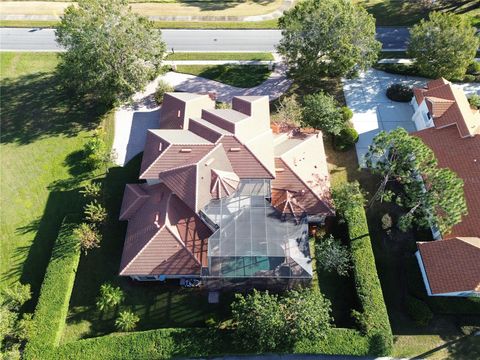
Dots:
pixel 222 105
pixel 162 88
pixel 331 255
pixel 468 78
pixel 289 111
pixel 126 321
pixel 474 101
pixel 110 297
pixel 387 221
pixel 322 111
pixel 52 307
pixel 474 68
pixel 347 138
pixel 97 152
pixel 419 311
pixel 400 92
pixel 373 319
pixel 14 296
pixel 95 212
pixel 92 190
pixel 347 113
pixel 87 236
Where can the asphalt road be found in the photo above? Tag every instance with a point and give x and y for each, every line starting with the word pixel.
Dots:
pixel 22 39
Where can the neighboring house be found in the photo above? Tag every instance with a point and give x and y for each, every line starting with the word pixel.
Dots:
pixel 448 125
pixel 225 199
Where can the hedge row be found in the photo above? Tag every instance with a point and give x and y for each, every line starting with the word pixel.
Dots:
pixel 374 317
pixel 52 307
pixel 152 344
pixel 339 341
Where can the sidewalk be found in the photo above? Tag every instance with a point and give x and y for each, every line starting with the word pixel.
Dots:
pixel 51 11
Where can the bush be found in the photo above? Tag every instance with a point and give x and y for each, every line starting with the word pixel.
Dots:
pixel 346 139
pixel 469 78
pixel 400 92
pixel 474 68
pixel 419 311
pixel 87 236
pixel 52 307
pixel 126 321
pixel 373 319
pixel 162 88
pixel 474 101
pixel 347 113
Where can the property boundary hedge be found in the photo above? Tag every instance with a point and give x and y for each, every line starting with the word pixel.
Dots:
pixel 52 307
pixel 374 318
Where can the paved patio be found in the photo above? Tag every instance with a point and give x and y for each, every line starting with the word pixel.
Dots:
pixel 374 112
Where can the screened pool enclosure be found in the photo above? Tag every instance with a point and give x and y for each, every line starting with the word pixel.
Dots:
pixel 252 239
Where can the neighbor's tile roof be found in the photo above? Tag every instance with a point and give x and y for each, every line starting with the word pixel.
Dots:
pixel 462 155
pixel 452 265
pixel 164 236
pixel 448 105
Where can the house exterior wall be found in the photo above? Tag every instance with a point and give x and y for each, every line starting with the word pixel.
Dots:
pixel 420 117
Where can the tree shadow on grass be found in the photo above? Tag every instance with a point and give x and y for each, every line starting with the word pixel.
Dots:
pixel 34 106
pixel 215 5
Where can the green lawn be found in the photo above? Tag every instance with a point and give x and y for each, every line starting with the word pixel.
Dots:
pixel 157 305
pixel 243 76
pixel 405 13
pixel 259 56
pixel 39 129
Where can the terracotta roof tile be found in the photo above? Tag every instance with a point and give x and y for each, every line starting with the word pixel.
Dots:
pixel 452 265
pixel 462 155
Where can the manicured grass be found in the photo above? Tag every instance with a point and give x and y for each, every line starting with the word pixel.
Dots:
pixel 260 56
pixel 406 13
pixel 213 8
pixel 266 24
pixel 40 129
pixel 243 76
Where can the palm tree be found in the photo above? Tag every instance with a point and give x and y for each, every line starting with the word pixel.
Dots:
pixel 110 297
pixel 126 321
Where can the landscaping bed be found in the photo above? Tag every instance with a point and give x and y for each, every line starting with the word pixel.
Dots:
pixel 242 76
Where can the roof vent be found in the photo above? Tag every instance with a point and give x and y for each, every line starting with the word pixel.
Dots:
pixel 234 149
pixel 185 150
pixel 279 169
pixel 209 161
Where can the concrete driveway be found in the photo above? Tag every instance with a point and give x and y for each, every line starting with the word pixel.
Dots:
pixel 374 112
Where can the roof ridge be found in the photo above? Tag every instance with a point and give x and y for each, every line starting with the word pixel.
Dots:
pixel 155 161
pixel 141 250
pixel 133 188
pixel 183 244
pixel 303 182
pixel 253 154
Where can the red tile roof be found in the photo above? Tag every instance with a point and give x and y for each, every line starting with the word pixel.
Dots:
pixel 452 265
pixel 164 236
pixel 462 155
pixel 448 105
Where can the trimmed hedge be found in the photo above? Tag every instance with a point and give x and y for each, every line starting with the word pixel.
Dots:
pixel 339 341
pixel 52 307
pixel 419 311
pixel 374 318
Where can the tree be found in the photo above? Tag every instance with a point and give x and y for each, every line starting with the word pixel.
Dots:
pixel 474 101
pixel 443 46
pixel 431 195
pixel 308 314
pixel 332 256
pixel 289 111
pixel 110 297
pixel 328 37
pixel 126 321
pixel 260 321
pixel 87 236
pixel 321 111
pixel 95 212
pixel 347 196
pixel 266 322
pixel 111 52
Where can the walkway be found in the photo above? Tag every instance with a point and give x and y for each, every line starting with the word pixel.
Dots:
pixel 133 121
pixel 374 112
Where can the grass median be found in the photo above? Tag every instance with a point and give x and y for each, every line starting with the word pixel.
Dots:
pixel 242 76
pixel 257 56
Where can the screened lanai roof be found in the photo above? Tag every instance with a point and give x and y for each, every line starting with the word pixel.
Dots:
pixel 253 239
